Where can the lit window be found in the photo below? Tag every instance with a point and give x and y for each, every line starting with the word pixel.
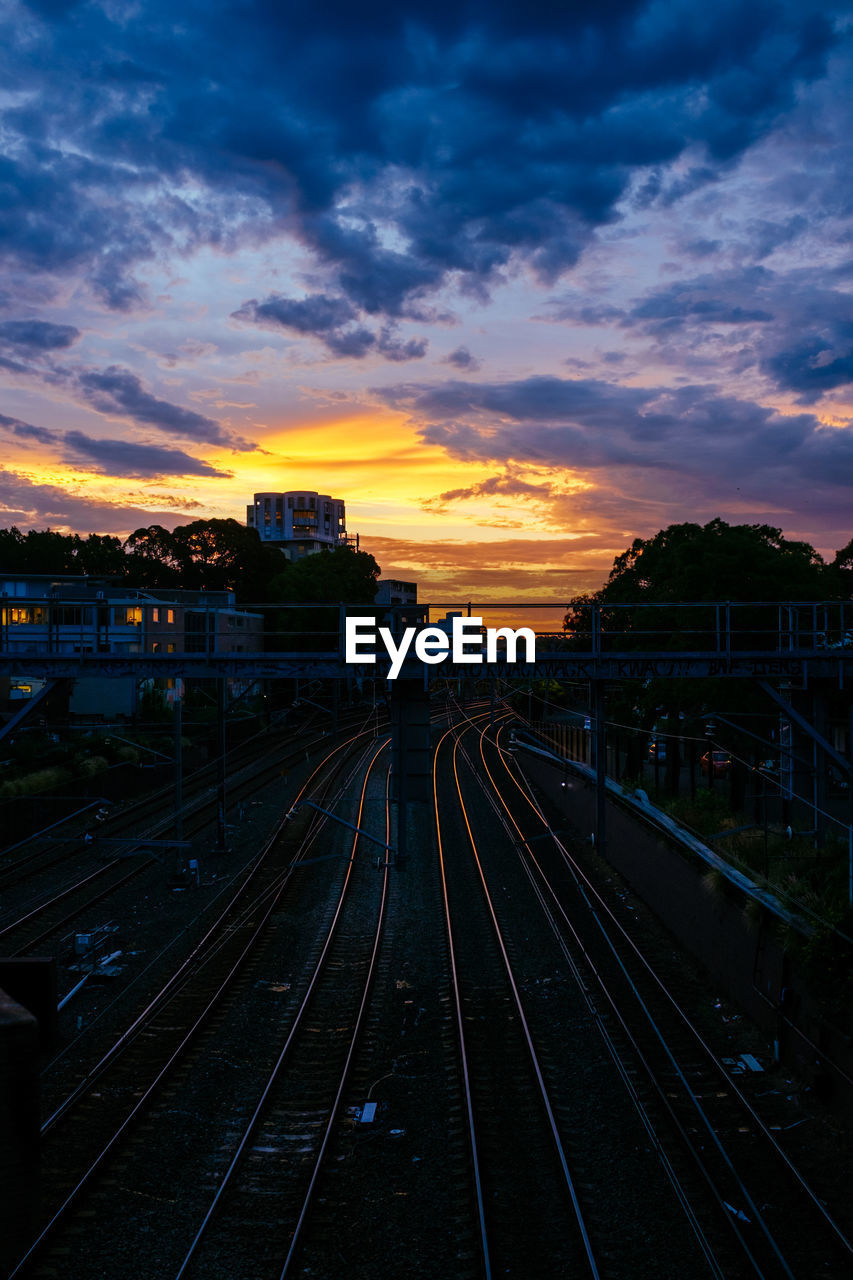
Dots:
pixel 170 615
pixel 155 615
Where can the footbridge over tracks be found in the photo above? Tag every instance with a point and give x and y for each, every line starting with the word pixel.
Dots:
pixel 785 646
pixel 72 639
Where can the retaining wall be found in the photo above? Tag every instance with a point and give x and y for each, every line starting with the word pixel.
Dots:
pixel 736 937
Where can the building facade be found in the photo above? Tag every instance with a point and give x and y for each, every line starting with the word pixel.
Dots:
pixel 300 522
pixel 77 614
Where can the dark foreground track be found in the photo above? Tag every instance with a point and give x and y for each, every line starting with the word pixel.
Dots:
pixel 464 1066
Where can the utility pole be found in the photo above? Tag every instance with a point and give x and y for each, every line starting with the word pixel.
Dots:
pixel 600 741
pixel 221 845
pixel 179 778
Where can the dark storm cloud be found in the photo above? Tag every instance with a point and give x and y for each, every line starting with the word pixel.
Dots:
pixel 111 457
pixel 318 315
pixel 475 133
pixel 817 361
pixel 118 391
pixel 592 425
pixel 329 319
pixel 794 326
pixel 26 431
pixel 37 336
pixel 124 458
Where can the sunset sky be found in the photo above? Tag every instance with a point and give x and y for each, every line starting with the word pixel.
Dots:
pixel 518 281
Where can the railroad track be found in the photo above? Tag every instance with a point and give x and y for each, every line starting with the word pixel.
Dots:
pixel 751 1210
pixel 544 1105
pixel 525 1199
pixel 44 916
pixel 107 1119
pixel 300 1103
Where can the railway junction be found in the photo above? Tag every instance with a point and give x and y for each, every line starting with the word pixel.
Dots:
pixel 411 1015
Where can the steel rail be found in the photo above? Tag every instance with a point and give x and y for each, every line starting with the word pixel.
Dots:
pixel 247 773
pixel 295 1026
pixel 177 1054
pixel 534 1058
pixel 691 1096
pixel 580 876
pixel 583 883
pixel 460 1029
pixel 368 987
pixel 204 949
pixel 610 1044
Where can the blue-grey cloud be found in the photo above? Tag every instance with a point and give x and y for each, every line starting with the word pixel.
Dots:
pixel 475 133
pixel 37 336
pixel 796 327
pixel 134 460
pixel 721 442
pixel 816 361
pixel 117 391
pixel 335 321
pixel 461 358
pixel 126 458
pixel 26 431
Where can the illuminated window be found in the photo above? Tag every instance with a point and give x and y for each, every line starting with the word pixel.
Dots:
pixel 26 615
pixel 170 615
pixel 170 648
pixel 155 615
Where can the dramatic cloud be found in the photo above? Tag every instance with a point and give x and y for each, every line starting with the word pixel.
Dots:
pixel 592 426
pixel 792 325
pixel 37 336
pixel 112 457
pixel 402 144
pixel 117 391
pixel 217 224
pixel 121 458
pixel 329 319
pixel 26 431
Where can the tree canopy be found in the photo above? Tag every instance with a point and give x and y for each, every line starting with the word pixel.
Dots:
pixel 212 555
pixel 45 551
pixel 717 561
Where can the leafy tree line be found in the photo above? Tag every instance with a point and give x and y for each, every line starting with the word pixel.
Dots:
pixel 718 561
pixel 687 563
pixel 213 555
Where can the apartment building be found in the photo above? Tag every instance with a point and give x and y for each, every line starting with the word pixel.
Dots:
pixel 300 522
pixel 78 614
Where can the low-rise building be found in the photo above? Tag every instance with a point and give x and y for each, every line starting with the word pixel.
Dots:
pixel 78 614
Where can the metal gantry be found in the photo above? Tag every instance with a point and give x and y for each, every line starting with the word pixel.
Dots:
pixel 784 646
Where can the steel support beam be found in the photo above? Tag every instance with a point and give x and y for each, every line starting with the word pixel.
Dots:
pixel 807 728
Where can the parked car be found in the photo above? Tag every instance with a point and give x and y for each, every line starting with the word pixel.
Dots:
pixel 722 762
